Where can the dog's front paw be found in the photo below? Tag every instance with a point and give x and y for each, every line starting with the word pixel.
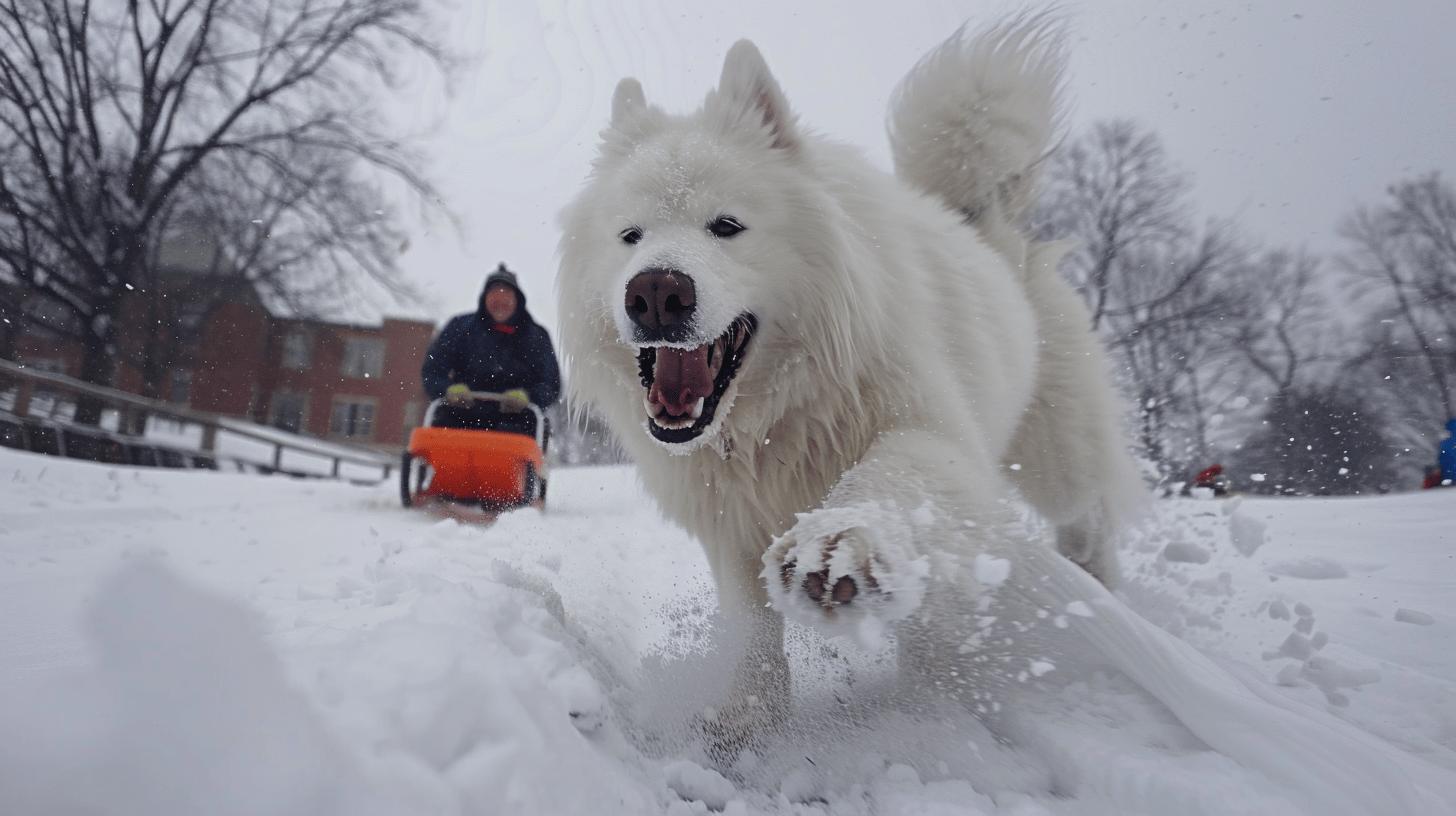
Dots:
pixel 831 566
pixel 830 571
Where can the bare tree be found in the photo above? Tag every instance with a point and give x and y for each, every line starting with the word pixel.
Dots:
pixel 299 237
pixel 110 111
pixel 1403 255
pixel 1156 286
pixel 1401 267
pixel 1285 317
pixel 1115 192
pixel 1167 320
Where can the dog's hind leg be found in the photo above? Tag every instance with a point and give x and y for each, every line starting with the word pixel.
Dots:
pixel 1069 456
pixel 1074 474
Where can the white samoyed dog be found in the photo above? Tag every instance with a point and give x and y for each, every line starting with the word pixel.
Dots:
pixel 828 374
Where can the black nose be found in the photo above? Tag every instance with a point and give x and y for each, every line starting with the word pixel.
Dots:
pixel 660 304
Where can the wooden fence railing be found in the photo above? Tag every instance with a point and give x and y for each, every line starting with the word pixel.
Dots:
pixel 43 428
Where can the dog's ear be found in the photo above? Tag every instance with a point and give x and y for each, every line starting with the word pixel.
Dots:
pixel 632 119
pixel 628 103
pixel 748 94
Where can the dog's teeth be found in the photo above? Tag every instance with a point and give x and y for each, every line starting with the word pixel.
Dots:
pixel 698 407
pixel 649 407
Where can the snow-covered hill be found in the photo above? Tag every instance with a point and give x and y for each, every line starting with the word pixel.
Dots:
pixel 176 643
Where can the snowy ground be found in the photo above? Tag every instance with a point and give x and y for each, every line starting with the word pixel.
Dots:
pixel 185 642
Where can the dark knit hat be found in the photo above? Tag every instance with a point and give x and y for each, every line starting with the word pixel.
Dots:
pixel 501 275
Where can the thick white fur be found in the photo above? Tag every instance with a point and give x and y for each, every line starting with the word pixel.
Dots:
pixel 912 344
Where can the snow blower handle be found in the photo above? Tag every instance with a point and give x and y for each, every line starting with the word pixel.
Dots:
pixel 493 396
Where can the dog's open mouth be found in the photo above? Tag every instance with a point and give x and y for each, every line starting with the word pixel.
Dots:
pixel 684 386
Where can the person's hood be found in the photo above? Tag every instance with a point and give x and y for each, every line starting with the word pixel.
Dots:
pixel 507 277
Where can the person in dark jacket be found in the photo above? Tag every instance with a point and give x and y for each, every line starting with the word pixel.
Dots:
pixel 500 348
pixel 1447 456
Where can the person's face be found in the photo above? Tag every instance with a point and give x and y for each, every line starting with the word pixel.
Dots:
pixel 500 303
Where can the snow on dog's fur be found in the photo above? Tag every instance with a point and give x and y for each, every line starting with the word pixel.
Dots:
pixel 824 371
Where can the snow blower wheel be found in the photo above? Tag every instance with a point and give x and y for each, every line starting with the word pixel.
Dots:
pixel 534 489
pixel 414 479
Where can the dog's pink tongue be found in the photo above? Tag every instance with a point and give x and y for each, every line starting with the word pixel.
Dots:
pixel 680 379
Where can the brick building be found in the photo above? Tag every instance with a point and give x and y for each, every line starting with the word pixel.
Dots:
pixel 358 383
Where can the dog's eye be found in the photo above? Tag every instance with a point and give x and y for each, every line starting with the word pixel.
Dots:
pixel 725 226
pixel 630 235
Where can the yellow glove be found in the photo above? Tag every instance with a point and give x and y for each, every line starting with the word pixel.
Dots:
pixel 457 394
pixel 515 400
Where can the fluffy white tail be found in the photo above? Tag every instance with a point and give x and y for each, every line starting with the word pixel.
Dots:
pixel 972 122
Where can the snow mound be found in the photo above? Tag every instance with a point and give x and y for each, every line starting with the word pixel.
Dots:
pixel 1246 532
pixel 1414 616
pixel 992 571
pixel 697 784
pixel 189 711
pixel 1313 568
pixel 1329 765
pixel 464 696
pixel 1186 553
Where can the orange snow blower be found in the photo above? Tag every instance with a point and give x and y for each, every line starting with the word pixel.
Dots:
pixel 495 470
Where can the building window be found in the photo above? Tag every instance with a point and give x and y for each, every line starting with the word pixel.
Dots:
pixel 180 391
pixel 297 349
pixel 363 357
pixel 412 416
pixel 191 315
pixel 352 418
pixel 289 410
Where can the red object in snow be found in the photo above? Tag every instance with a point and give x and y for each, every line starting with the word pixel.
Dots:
pixel 1208 476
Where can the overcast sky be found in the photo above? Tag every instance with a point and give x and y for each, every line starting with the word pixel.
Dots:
pixel 1286 114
